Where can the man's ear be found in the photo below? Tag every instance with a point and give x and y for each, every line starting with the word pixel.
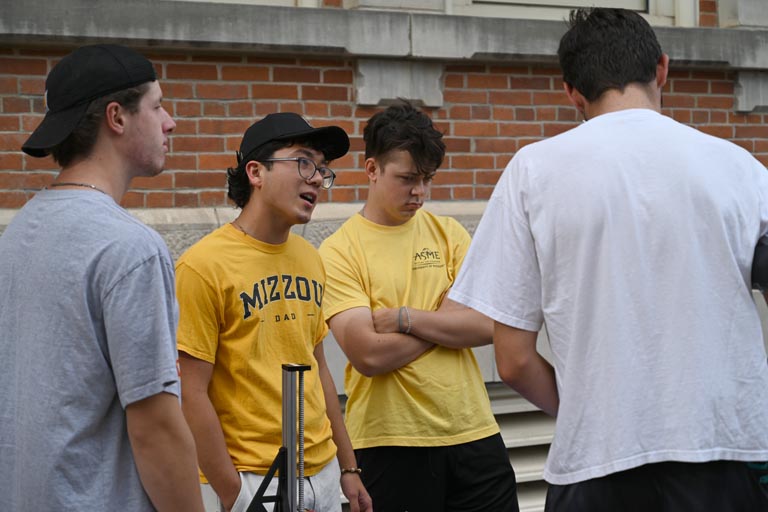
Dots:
pixel 372 168
pixel 662 70
pixel 576 99
pixel 115 117
pixel 255 171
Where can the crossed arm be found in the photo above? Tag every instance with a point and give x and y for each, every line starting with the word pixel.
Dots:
pixel 374 344
pixel 453 325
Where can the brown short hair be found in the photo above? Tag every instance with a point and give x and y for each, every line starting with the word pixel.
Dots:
pixel 81 141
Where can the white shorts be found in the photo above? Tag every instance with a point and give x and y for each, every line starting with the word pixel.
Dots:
pixel 322 492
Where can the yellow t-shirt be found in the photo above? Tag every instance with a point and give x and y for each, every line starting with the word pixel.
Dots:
pixel 439 399
pixel 248 307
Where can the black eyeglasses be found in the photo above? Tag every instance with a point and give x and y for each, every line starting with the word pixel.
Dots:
pixel 307 169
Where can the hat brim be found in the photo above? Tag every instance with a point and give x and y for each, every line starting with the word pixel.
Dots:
pixel 332 141
pixel 54 129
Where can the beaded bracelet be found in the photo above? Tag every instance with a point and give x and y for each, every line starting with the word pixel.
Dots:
pixel 344 471
pixel 400 320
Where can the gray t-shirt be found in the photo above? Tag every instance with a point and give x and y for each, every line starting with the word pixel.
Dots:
pixel 87 326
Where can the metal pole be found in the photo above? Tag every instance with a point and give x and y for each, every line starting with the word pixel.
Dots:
pixel 301 442
pixel 289 433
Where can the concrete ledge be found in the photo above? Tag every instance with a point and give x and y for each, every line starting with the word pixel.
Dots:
pixel 475 38
pixel 752 91
pixel 5 217
pixel 216 216
pixel 413 5
pixel 207 26
pixel 381 82
pixel 182 227
pixel 712 47
pixel 742 13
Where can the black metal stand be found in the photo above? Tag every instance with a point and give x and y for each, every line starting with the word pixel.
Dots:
pixel 280 499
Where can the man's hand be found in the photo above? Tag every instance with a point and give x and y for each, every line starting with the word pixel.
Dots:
pixel 386 320
pixel 354 490
pixel 229 496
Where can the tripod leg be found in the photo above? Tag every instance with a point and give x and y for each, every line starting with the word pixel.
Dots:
pixel 257 504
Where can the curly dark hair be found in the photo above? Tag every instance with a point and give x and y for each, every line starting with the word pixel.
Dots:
pixel 404 127
pixel 80 142
pixel 239 187
pixel 607 49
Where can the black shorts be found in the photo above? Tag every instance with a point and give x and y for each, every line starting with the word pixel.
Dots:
pixel 719 486
pixel 761 468
pixel 469 477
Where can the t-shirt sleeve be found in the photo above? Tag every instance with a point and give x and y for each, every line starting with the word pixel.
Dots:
pixel 500 275
pixel 140 320
pixel 460 242
pixel 198 332
pixel 344 288
pixel 762 188
pixel 321 331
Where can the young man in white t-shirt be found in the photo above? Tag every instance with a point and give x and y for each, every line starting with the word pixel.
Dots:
pixel 631 236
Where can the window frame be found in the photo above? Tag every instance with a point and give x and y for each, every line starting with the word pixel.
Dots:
pixel 679 13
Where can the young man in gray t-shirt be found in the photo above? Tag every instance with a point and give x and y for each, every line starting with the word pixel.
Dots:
pixel 89 409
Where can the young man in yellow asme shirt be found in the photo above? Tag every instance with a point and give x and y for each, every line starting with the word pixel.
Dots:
pixel 250 297
pixel 418 413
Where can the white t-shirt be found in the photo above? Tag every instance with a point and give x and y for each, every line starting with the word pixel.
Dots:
pixel 631 237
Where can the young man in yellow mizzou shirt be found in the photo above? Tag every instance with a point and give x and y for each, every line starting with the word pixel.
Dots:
pixel 418 412
pixel 250 296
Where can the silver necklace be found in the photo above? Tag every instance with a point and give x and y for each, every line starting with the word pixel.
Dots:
pixel 238 226
pixel 73 184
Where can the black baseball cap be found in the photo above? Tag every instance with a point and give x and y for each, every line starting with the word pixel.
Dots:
pixel 87 73
pixel 332 141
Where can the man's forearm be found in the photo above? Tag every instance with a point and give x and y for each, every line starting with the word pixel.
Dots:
pixel 369 352
pixel 521 367
pixel 164 452
pixel 351 483
pixel 345 454
pixel 389 352
pixel 212 453
pixel 457 328
pixel 535 381
pixel 452 325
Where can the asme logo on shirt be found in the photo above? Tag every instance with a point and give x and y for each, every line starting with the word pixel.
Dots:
pixel 427 258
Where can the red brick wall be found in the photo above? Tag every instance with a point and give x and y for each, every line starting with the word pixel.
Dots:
pixel 490 112
pixel 708 13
